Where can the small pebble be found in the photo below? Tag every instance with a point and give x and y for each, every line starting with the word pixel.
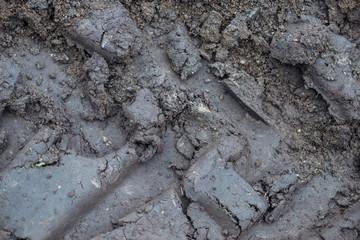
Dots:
pixel 71 193
pixel 52 76
pixel 39 65
pixel 62 58
pixel 56 41
pixel 257 164
pixel 39 82
pixel 227 165
pixel 34 51
pixel 29 76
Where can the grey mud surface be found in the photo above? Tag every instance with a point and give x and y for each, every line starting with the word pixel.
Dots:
pixel 124 119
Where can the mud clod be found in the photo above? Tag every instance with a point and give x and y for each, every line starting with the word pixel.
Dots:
pixel 185 147
pixel 235 31
pixel 184 57
pixel 144 110
pixel 98 73
pixel 302 42
pixel 330 62
pixel 109 31
pixel 219 189
pixel 210 30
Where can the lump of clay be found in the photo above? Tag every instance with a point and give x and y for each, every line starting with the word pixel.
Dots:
pixel 144 110
pixel 210 30
pixel 332 64
pixel 301 43
pixel 183 55
pixel 335 76
pixel 108 31
pixel 235 31
pixel 245 88
pixel 149 119
pixel 98 73
pixel 97 68
pixel 227 197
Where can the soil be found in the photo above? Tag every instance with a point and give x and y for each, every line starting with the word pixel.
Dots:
pixel 124 119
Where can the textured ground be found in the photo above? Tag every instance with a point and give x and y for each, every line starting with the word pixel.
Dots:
pixel 179 119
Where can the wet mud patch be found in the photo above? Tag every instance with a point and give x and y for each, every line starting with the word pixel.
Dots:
pixel 179 119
